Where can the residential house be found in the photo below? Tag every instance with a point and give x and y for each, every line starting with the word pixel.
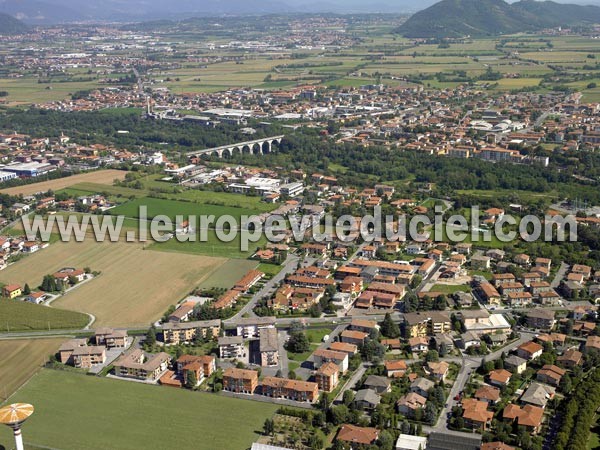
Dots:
pixel 530 350
pixel 268 347
pixel 366 399
pixel 322 356
pixel 141 365
pixel 381 385
pixel 418 344
pixel 437 370
pixel 240 380
pixel 395 368
pixel 550 374
pixel 327 376
pixel 66 350
pixel 499 377
pixel 11 291
pixel 366 326
pixel 488 394
pixel 592 343
pixel 180 332
pixel 542 319
pixel 515 364
pixel 354 435
pixel 300 391
pixel 111 338
pixel 250 327
pixel 231 347
pixel 476 414
pixel 353 337
pixel 529 417
pixel 570 359
pixel 204 365
pixel 422 386
pixel 538 394
pixel 344 347
pixel 408 404
pixel 481 262
pixel 86 357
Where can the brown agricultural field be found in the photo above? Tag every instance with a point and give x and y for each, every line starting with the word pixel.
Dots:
pixel 21 359
pixel 100 177
pixel 135 286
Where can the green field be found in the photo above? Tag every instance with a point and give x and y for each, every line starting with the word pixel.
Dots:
pixel 231 271
pixel 74 411
pixel 450 288
pixel 172 208
pixel 19 316
pixel 212 247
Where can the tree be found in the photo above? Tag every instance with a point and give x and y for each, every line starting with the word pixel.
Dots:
pixel 389 328
pixel 151 336
pixel 315 442
pixel 26 289
pixel 191 380
pixel 298 342
pixel 348 397
pixel 430 413
pixel 372 350
pixel 48 284
pixel 269 427
pixel 432 356
pixel 339 414
pixel 386 440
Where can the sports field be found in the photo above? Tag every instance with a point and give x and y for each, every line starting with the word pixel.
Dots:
pixel 16 369
pixel 74 411
pixel 100 177
pixel 135 286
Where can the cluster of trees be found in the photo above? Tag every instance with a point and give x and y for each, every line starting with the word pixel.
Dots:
pixel 103 126
pixel 298 342
pixel 577 413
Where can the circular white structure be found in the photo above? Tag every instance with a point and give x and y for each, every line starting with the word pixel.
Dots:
pixel 14 416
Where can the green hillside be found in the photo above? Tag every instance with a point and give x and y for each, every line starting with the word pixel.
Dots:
pixel 9 25
pixel 478 18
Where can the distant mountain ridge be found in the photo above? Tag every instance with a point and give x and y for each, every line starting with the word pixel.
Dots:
pixel 64 11
pixel 457 18
pixel 10 26
pixel 60 11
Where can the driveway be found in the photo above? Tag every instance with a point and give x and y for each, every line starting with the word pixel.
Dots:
pixel 268 288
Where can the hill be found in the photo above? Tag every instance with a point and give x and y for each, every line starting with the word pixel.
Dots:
pixel 9 25
pixel 477 18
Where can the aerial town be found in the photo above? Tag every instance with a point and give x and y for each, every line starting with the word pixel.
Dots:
pixel 216 336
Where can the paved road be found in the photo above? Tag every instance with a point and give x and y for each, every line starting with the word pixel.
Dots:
pixel 284 362
pixel 560 275
pixel 468 365
pixel 268 288
pixel 351 383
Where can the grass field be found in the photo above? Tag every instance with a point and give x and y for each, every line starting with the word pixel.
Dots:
pixel 230 272
pixel 103 177
pixel 213 247
pixel 135 286
pixel 171 208
pixel 450 288
pixel 15 369
pixel 19 316
pixel 27 90
pixel 74 411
